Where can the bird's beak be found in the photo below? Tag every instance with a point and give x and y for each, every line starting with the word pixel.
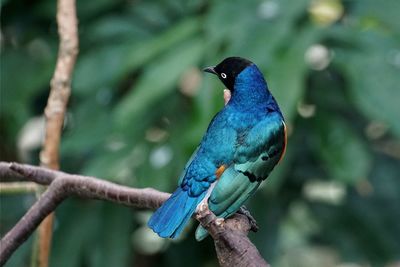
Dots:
pixel 210 70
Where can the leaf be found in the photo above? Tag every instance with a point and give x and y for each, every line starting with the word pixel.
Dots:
pixel 372 13
pixel 89 237
pixel 115 28
pixel 343 153
pixel 115 166
pixel 87 9
pixel 103 67
pixel 70 251
pixel 112 248
pixel 22 81
pixel 157 81
pixel 151 13
pixel 287 73
pixel 86 128
pixel 373 78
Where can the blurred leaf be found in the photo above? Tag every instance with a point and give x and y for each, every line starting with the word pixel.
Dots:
pixel 373 76
pixel 287 73
pixel 90 9
pixel 362 218
pixel 21 81
pixel 86 129
pixel 371 12
pixel 103 67
pixel 115 28
pixel 157 81
pixel 115 166
pixel 342 151
pixel 151 13
pixel 3 2
pixel 36 73
pixel 222 26
pixel 85 9
pixel 112 247
pixel 90 234
pixel 79 231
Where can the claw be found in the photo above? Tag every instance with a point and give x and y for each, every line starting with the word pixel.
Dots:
pixel 219 221
pixel 203 207
pixel 253 223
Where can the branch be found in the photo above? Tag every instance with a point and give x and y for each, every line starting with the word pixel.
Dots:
pixel 60 83
pixel 18 188
pixel 232 245
pixel 56 106
pixel 61 186
pixel 230 236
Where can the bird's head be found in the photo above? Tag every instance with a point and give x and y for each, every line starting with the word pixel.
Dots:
pixel 229 69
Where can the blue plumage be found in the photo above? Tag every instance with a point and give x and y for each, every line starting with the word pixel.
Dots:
pixel 171 218
pixel 243 143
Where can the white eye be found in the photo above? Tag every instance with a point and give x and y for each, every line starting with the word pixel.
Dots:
pixel 223 75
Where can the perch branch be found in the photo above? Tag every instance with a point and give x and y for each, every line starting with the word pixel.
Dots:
pixel 230 236
pixel 56 107
pixel 232 245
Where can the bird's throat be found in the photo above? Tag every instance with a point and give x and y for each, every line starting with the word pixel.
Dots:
pixel 227 96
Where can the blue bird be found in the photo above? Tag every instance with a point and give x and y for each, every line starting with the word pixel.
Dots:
pixel 243 143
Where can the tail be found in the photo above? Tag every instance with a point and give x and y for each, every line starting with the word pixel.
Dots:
pixel 201 233
pixel 231 191
pixel 170 219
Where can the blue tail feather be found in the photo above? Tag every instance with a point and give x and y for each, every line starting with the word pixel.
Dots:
pixel 170 219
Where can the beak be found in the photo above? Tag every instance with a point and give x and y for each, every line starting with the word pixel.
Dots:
pixel 210 70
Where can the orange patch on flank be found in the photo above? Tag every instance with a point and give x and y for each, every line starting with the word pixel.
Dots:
pixel 220 171
pixel 284 142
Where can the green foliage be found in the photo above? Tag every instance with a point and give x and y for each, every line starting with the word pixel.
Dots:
pixel 340 163
pixel 140 105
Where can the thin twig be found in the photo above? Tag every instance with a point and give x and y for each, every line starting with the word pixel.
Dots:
pixel 18 188
pixel 56 106
pixel 230 236
pixel 60 83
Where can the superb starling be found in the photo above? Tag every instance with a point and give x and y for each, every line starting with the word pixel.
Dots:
pixel 243 143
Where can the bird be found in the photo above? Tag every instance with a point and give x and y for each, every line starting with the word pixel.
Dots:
pixel 243 143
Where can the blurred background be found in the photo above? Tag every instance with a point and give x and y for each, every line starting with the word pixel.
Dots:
pixel 140 104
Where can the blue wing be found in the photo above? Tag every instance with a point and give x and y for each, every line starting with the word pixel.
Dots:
pixel 198 175
pixel 170 219
pixel 255 158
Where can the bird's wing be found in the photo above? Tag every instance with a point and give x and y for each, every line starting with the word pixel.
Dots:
pixel 187 165
pixel 215 150
pixel 256 156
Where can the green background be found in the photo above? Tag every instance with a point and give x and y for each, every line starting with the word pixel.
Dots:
pixel 140 104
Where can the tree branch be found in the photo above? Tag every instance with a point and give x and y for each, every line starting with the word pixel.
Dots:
pixel 230 236
pixel 18 188
pixel 60 83
pixel 232 245
pixel 56 107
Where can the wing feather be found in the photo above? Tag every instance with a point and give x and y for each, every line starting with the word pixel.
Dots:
pixel 256 156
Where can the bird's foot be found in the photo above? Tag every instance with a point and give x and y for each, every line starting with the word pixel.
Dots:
pixel 253 223
pixel 219 221
pixel 202 211
pixel 202 207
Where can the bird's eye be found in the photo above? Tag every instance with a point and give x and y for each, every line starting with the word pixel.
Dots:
pixel 223 75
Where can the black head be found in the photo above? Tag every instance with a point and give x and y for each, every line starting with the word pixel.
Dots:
pixel 229 69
